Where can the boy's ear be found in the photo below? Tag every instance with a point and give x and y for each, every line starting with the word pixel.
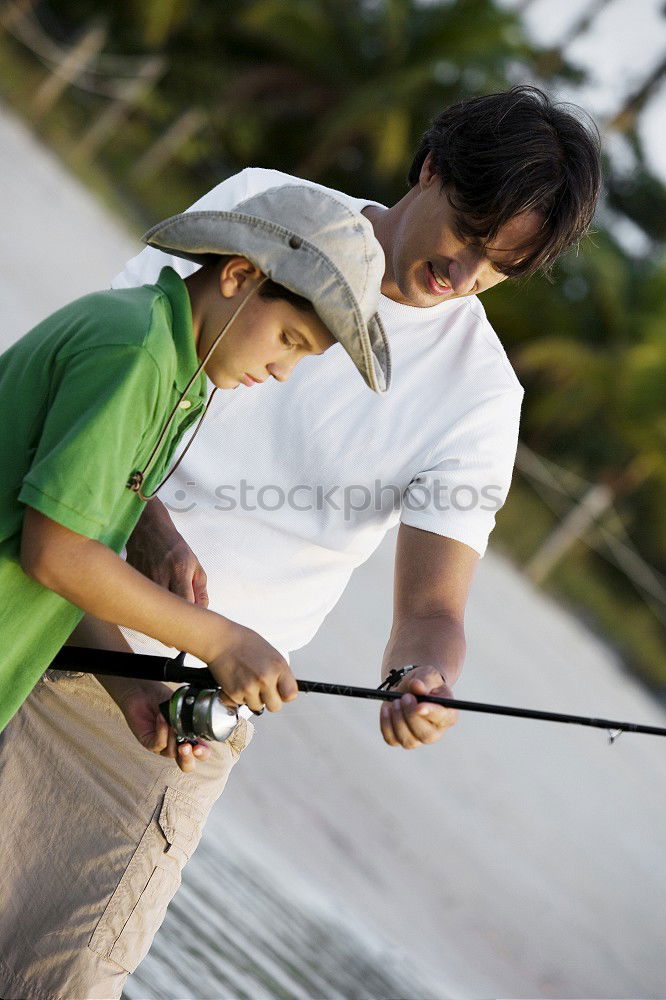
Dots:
pixel 235 274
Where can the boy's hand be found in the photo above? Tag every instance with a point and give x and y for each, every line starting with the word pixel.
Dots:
pixel 251 672
pixel 140 704
pixel 158 551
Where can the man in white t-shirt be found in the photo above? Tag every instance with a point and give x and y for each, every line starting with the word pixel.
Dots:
pixel 499 188
pixel 284 494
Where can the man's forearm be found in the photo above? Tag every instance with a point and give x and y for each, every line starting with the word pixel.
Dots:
pixel 154 513
pixel 158 551
pixel 437 641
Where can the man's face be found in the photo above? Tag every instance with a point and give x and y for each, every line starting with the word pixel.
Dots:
pixel 428 261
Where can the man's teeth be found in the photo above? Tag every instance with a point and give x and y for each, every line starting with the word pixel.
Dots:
pixel 440 281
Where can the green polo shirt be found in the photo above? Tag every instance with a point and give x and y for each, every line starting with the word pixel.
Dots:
pixel 83 398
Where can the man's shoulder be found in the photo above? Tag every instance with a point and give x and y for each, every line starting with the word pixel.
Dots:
pixel 455 339
pixel 224 197
pixel 491 344
pixel 255 180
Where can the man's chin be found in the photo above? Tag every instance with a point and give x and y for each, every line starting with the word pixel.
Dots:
pixel 415 293
pixel 422 298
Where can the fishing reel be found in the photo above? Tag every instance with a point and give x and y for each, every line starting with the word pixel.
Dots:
pixel 198 713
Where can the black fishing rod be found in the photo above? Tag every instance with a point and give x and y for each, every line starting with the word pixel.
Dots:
pixel 196 710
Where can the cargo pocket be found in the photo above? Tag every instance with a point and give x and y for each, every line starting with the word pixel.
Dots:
pixel 138 905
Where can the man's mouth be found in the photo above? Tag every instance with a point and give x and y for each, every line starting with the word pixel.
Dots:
pixel 436 282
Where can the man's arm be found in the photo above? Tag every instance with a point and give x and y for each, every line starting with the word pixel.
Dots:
pixel 433 576
pixel 158 551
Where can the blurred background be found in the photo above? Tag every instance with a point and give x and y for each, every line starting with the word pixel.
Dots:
pixel 553 881
pixel 152 102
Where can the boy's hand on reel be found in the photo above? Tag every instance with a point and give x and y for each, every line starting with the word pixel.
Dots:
pixel 251 672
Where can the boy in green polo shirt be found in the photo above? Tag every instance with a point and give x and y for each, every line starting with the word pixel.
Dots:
pixel 94 400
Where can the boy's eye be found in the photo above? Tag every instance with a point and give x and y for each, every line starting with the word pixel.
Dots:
pixel 286 340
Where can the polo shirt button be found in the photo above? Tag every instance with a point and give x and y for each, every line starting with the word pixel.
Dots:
pixel 184 404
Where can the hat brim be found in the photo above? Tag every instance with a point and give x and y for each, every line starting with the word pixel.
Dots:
pixel 291 261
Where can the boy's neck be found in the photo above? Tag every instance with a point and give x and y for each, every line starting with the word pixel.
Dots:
pixel 197 290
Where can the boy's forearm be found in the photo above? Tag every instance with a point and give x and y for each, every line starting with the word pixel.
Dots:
pixel 94 578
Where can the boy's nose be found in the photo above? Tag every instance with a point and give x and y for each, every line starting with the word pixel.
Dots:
pixel 281 370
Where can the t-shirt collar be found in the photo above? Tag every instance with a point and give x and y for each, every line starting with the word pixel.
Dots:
pixel 175 290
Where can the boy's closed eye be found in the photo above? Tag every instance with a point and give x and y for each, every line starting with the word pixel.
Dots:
pixel 289 341
pixel 295 339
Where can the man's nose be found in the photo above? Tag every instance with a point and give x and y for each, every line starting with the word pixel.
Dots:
pixel 465 272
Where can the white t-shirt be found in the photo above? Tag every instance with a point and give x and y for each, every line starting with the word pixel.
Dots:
pixel 289 487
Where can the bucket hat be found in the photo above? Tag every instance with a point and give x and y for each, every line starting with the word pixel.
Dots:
pixel 316 246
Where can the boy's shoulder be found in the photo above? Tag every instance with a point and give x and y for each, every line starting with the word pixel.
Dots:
pixel 149 324
pixel 139 319
pixel 132 317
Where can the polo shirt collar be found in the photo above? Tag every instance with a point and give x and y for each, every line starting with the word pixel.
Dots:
pixel 175 290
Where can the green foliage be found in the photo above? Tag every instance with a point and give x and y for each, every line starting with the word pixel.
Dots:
pixel 641 198
pixel 337 90
pixel 597 373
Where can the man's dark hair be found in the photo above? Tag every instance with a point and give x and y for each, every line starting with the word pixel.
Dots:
pixel 516 151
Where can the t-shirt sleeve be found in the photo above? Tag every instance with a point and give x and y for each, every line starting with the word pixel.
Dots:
pixel 102 416
pixel 144 269
pixel 460 493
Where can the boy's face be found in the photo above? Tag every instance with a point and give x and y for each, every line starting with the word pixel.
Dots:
pixel 428 261
pixel 267 339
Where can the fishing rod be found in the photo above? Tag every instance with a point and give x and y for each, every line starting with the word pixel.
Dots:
pixel 196 710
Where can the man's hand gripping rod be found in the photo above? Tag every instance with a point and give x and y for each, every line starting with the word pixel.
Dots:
pixel 196 710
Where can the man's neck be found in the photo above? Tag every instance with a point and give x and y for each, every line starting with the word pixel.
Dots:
pixel 386 224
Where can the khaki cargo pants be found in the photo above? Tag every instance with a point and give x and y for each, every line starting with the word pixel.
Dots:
pixel 94 834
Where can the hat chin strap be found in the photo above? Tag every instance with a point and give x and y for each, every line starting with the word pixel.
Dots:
pixel 138 478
